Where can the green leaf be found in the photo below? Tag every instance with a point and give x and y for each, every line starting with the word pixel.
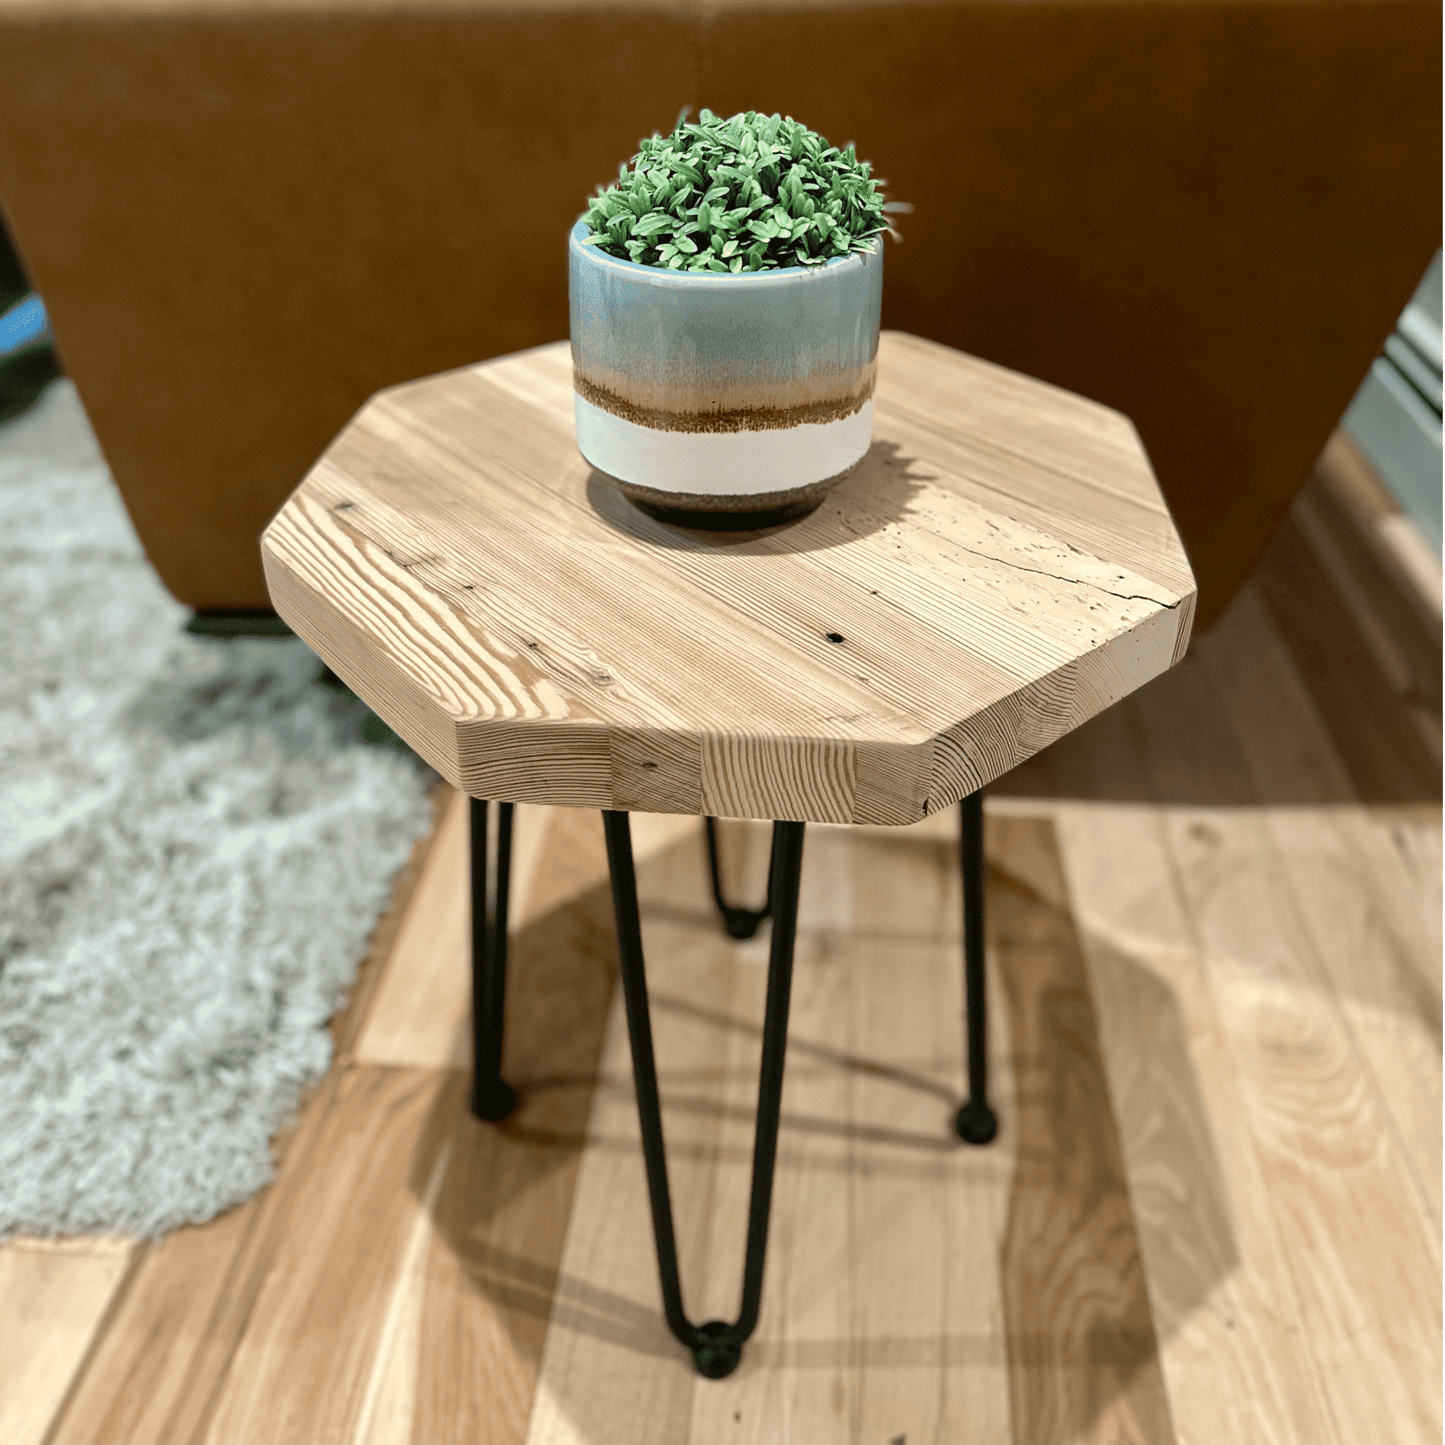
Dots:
pixel 766 183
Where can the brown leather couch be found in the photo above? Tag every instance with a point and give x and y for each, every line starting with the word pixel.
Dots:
pixel 247 216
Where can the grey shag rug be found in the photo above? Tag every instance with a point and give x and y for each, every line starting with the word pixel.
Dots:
pixel 195 843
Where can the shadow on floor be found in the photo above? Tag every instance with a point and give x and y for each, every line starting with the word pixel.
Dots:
pixel 1072 1351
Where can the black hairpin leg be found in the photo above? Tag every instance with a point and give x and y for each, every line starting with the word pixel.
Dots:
pixel 716 1347
pixel 739 922
pixel 975 1123
pixel 492 1097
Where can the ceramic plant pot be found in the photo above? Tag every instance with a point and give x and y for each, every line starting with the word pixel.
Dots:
pixel 724 401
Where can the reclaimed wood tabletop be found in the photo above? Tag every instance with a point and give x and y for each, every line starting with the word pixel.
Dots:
pixel 1000 568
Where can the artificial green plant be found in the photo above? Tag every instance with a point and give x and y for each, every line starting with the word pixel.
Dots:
pixel 750 193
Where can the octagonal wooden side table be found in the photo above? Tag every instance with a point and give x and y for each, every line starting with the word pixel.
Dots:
pixel 1000 568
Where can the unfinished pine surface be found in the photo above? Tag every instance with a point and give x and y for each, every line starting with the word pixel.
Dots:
pixel 1000 568
pixel 1212 1213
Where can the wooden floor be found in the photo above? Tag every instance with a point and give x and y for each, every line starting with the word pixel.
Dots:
pixel 1213 1212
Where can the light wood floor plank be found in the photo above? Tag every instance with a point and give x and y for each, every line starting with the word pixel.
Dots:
pixel 370 1317
pixel 1355 1237
pixel 303 1367
pixel 1232 1341
pixel 155 1373
pixel 1411 842
pixel 422 1013
pixel 882 1316
pixel 422 1000
pixel 1083 1357
pixel 347 1024
pixel 885 1311
pixel 52 1302
pixel 611 1371
pixel 1381 966
pixel 928 1310
pixel 1378 738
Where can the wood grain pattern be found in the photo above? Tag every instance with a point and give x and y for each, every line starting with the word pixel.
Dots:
pixel 1234 1348
pixel 286 1377
pixel 422 1012
pixel 1389 757
pixel 421 1015
pixel 999 569
pixel 1356 527
pixel 348 1022
pixel 1410 845
pixel 1383 577
pixel 422 1008
pixel 53 1302
pixel 1383 966
pixel 154 1374
pixel 1083 1355
pixel 1356 1239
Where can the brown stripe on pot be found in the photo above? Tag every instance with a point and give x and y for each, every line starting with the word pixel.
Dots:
pixel 745 406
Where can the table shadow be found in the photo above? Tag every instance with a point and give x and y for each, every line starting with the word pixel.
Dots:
pixel 504 1208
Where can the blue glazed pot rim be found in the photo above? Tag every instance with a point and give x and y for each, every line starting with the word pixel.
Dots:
pixel 706 278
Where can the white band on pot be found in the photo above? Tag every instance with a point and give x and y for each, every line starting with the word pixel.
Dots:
pixel 722 464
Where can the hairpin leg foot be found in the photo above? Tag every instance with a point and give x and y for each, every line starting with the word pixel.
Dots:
pixel 739 922
pixel 716 1347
